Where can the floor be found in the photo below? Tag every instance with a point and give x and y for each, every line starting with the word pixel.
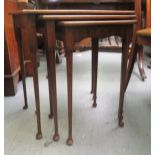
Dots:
pixel 95 130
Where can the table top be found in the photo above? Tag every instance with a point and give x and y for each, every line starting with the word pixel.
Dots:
pixel 86 1
pixel 64 11
pixel 85 17
pixel 96 23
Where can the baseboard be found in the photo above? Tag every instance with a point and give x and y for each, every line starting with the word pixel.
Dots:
pixel 10 83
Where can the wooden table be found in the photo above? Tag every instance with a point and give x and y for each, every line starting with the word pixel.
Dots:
pixel 136 5
pixel 74 31
pixel 105 25
pixel 26 20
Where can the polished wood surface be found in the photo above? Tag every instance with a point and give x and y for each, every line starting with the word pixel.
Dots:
pixel 148 13
pixel 67 12
pixel 85 1
pixel 99 5
pixel 11 66
pixel 91 5
pixel 91 23
pixel 85 17
pixel 27 53
pixel 81 2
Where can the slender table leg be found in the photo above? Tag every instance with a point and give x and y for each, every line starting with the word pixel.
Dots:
pixel 131 57
pixel 49 81
pixel 69 63
pixel 95 68
pixel 131 64
pixel 51 41
pixel 125 47
pixel 69 46
pixel 33 49
pixel 140 63
pixel 21 59
pixel 92 71
pixel 49 85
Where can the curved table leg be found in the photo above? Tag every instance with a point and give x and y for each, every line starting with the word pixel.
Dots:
pixel 140 63
pixel 131 64
pixel 125 47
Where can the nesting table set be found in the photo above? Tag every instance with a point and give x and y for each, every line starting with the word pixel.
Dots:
pixel 71 26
